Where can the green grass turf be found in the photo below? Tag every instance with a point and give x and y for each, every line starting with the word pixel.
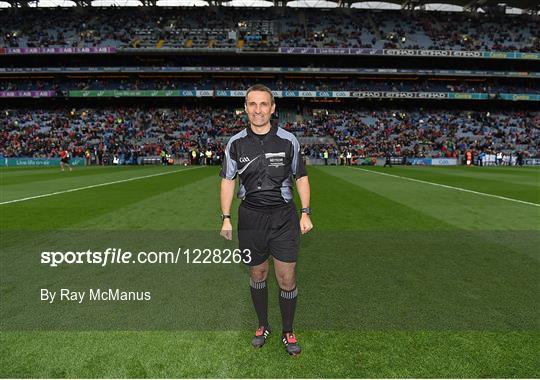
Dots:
pixel 398 279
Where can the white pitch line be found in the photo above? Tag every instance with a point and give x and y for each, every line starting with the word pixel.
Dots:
pixel 92 186
pixel 451 187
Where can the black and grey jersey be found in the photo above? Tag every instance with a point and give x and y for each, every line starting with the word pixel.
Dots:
pixel 265 166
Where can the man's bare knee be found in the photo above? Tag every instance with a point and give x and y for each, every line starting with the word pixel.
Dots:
pixel 285 274
pixel 287 282
pixel 259 273
pixel 286 279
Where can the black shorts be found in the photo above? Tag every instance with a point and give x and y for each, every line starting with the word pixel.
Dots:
pixel 65 160
pixel 268 232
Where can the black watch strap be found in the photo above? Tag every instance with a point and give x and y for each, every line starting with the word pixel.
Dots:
pixel 306 210
pixel 223 216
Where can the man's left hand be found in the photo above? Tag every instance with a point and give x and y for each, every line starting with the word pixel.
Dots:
pixel 305 224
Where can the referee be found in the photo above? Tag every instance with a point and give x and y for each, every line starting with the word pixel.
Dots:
pixel 266 159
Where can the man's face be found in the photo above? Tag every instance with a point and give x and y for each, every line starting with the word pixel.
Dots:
pixel 259 108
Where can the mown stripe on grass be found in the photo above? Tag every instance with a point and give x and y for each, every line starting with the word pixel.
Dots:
pixel 450 187
pixel 47 177
pixel 472 175
pixel 92 186
pixel 194 206
pixel 461 210
pixel 347 206
pixel 65 211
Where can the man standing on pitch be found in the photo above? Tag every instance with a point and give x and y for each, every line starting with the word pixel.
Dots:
pixel 64 159
pixel 266 159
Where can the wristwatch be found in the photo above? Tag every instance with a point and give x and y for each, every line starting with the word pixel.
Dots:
pixel 223 217
pixel 306 210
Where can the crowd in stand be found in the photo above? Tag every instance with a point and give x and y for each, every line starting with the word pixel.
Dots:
pixel 268 29
pixel 429 134
pixel 413 30
pixel 199 134
pixel 488 85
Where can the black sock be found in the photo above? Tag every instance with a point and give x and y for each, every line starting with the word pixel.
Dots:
pixel 287 304
pixel 259 296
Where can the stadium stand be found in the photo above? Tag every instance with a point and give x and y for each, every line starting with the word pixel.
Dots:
pixel 68 105
pixel 268 29
pixel 144 132
pixel 282 84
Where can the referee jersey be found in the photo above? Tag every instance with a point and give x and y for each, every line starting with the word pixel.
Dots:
pixel 265 166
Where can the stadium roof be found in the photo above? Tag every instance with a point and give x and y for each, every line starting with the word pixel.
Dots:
pixel 444 5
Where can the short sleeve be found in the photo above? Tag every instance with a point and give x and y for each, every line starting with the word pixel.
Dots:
pixel 297 166
pixel 229 165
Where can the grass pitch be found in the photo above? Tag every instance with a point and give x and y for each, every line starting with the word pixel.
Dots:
pixel 399 278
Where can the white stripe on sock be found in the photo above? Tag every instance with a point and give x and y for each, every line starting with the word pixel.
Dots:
pixel 289 294
pixel 257 285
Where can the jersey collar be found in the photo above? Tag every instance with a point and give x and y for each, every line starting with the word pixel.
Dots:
pixel 272 131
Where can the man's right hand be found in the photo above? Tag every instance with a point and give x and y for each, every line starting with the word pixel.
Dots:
pixel 226 229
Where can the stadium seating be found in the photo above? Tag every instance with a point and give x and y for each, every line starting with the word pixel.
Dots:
pixel 144 132
pixel 348 84
pixel 231 28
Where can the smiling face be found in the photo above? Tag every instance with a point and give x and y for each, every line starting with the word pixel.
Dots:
pixel 259 108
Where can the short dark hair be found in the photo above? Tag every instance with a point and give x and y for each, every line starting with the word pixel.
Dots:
pixel 260 87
